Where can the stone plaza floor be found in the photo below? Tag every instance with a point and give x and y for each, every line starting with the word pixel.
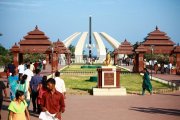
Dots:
pixel 130 107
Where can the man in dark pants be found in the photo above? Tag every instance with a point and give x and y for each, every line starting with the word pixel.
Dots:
pixel 2 88
pixel 35 80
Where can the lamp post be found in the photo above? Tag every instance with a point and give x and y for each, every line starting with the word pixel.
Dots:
pixel 52 49
pixel 152 50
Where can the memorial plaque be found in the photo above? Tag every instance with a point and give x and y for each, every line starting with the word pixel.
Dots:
pixel 108 78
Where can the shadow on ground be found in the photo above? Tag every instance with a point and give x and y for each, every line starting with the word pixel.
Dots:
pixel 152 110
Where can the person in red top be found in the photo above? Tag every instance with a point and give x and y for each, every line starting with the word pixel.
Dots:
pixel 53 101
pixel 42 88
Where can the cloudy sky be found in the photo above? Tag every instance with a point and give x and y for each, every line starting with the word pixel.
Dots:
pixel 130 19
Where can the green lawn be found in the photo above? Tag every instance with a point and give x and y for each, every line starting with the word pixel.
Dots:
pixel 80 84
pixel 133 82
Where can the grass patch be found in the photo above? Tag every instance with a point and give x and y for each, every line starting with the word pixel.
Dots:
pixel 80 84
pixel 133 82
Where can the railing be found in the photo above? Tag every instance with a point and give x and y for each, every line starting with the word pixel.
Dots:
pixel 86 72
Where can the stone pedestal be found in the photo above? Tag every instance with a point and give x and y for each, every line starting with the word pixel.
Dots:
pixel 108 82
pixel 109 91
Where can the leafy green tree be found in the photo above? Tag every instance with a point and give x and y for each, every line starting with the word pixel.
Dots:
pixel 72 49
pixel 3 50
pixel 5 56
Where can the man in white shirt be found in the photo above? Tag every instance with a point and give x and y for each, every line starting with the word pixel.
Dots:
pixel 44 64
pixel 32 67
pixel 29 74
pixel 60 85
pixel 21 69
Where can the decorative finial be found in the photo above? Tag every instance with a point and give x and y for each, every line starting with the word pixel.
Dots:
pixel 157 27
pixel 36 27
pixel 58 40
pixel 125 40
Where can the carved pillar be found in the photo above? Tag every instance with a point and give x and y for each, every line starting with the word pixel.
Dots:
pixel 115 59
pixel 138 62
pixel 118 78
pixel 177 52
pixel 69 58
pixel 139 59
pixel 99 70
pixel 135 63
pixel 15 50
pixel 20 58
pixel 53 64
pixel 171 59
pixel 57 58
pixel 141 62
pixel 16 58
pixel 178 63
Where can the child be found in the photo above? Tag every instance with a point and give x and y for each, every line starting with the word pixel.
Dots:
pixel 18 108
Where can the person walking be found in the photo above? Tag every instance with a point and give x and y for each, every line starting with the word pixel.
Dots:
pixel 146 85
pixel 18 108
pixel 29 74
pixel 60 85
pixel 22 86
pixel 44 64
pixel 35 80
pixel 21 69
pixel 2 88
pixel 156 68
pixel 13 82
pixel 32 68
pixel 42 88
pixel 52 102
pixel 11 67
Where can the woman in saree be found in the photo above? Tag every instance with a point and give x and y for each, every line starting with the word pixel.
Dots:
pixel 146 82
pixel 13 83
pixel 18 108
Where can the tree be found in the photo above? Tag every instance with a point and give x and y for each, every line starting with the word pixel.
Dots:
pixel 3 50
pixel 5 56
pixel 72 49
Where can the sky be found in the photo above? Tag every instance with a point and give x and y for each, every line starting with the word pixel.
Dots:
pixel 130 19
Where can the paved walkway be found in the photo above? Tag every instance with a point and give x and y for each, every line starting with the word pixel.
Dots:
pixel 131 107
pixel 136 107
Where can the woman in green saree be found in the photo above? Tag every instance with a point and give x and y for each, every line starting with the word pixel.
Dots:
pixel 146 85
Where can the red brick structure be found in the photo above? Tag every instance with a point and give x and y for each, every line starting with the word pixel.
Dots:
pixel 124 48
pixel 106 78
pixel 37 42
pixel 139 59
pixel 177 52
pixel 158 43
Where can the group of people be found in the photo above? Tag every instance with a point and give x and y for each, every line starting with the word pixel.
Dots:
pixel 163 68
pixel 47 95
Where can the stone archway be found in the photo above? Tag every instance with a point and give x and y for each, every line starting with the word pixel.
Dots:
pixel 37 42
pixel 124 48
pixel 157 42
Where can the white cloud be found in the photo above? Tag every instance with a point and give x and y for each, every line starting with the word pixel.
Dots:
pixel 20 3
